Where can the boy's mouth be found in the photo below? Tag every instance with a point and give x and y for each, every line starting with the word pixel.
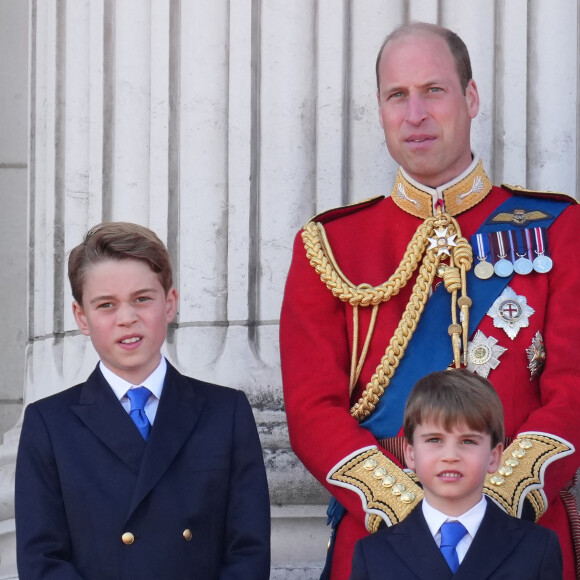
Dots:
pixel 450 474
pixel 130 340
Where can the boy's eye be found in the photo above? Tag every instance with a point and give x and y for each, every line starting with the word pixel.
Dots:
pixel 104 305
pixel 433 440
pixel 143 299
pixel 470 442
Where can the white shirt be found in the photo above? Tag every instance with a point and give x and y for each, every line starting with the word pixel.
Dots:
pixel 471 519
pixel 154 382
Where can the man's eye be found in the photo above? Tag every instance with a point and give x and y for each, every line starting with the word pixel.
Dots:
pixel 435 89
pixel 143 299
pixel 104 306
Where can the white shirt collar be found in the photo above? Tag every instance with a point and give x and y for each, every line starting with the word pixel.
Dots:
pixel 154 382
pixel 471 519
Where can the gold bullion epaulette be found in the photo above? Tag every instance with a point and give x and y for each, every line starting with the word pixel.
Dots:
pixel 519 190
pixel 521 475
pixel 387 492
pixel 332 214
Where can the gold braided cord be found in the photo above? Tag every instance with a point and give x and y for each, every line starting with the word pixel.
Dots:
pixel 320 254
pixel 321 257
pixel 355 372
pixel 398 343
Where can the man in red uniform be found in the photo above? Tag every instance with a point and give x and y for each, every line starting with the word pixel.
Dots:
pixel 447 271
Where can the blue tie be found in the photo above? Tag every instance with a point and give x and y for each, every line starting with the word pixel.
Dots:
pixel 451 534
pixel 138 398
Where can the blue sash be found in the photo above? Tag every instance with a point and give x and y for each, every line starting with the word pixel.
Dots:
pixel 430 346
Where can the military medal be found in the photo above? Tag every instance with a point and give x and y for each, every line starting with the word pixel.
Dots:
pixel 483 354
pixel 536 355
pixel 502 267
pixel 442 242
pixel 484 269
pixel 542 262
pixel 510 312
pixel 523 249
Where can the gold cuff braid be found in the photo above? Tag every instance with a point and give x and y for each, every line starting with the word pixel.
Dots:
pixel 386 490
pixel 521 475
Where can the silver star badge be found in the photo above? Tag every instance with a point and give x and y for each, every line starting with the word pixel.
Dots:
pixel 536 355
pixel 442 242
pixel 483 354
pixel 510 312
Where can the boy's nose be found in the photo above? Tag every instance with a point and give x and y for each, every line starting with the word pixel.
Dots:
pixel 126 314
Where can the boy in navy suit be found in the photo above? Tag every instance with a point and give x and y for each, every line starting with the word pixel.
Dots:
pixel 140 472
pixel 453 427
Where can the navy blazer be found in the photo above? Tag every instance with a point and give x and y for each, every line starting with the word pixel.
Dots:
pixel 194 496
pixel 504 548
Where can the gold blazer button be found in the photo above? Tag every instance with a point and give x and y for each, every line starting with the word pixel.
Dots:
pixel 128 538
pixel 187 535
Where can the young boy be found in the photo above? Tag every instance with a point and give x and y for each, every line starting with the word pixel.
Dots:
pixel 453 427
pixel 108 488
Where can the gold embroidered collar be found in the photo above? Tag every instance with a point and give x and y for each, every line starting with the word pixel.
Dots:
pixel 457 196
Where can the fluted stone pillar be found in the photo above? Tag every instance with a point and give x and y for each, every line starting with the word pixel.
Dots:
pixel 224 125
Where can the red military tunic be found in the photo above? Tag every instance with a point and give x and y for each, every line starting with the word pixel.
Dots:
pixel 368 242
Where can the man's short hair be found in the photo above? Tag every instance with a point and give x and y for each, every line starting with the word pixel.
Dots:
pixel 456 46
pixel 453 397
pixel 118 241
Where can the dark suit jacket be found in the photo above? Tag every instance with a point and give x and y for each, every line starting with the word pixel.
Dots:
pixel 504 548
pixel 85 476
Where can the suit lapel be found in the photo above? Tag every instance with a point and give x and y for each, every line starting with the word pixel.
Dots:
pixel 413 542
pixel 102 413
pixel 179 410
pixel 495 539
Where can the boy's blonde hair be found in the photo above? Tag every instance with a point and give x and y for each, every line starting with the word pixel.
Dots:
pixel 118 241
pixel 453 397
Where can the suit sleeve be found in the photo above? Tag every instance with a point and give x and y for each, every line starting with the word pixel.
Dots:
pixel 551 566
pixel 359 568
pixel 43 542
pixel 247 544
pixel 315 372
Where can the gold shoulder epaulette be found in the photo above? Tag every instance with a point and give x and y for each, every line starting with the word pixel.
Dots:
pixel 388 493
pixel 336 212
pixel 519 190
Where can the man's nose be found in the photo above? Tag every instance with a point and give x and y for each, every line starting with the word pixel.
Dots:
pixel 416 110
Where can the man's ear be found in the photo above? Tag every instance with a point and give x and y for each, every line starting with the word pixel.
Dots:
pixel 472 98
pixel 495 458
pixel 80 318
pixel 380 110
pixel 409 454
